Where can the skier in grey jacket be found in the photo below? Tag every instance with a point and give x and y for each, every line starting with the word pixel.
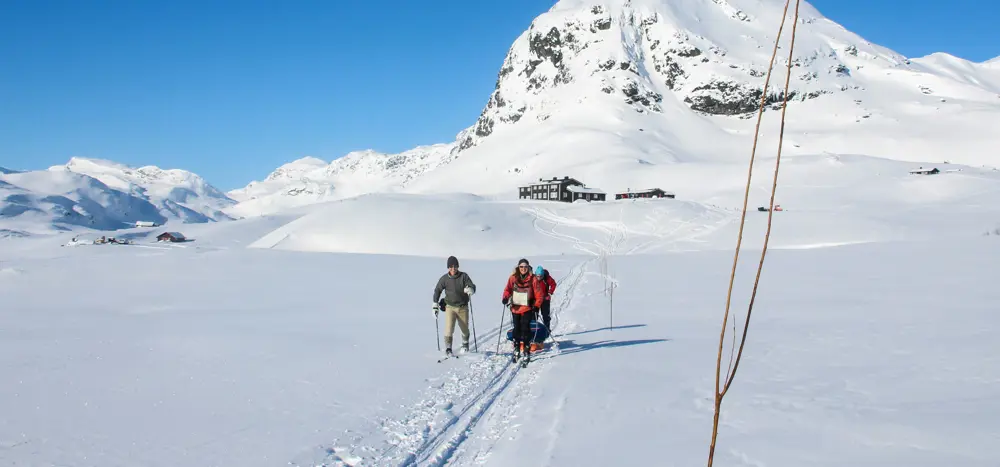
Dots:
pixel 458 288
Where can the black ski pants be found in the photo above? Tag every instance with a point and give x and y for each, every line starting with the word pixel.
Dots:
pixel 522 329
pixel 546 314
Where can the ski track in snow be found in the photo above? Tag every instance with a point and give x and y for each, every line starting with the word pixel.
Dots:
pixel 479 400
pixel 475 401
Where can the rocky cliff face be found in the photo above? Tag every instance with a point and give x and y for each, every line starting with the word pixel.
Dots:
pixel 710 55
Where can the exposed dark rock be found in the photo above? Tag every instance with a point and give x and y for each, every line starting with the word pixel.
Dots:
pixel 687 51
pixel 516 116
pixel 536 82
pixel 466 143
pixel 735 99
pixel 669 68
pixel 607 65
pixel 602 24
pixel 842 70
pixel 629 66
pixel 484 126
pixel 648 99
pixel 597 10
pixel 562 77
pixel 496 100
pixel 545 47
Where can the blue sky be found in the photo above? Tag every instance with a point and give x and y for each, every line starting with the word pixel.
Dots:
pixel 232 89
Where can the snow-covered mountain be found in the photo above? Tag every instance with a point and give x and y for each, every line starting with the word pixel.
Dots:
pixel 636 93
pixel 104 195
pixel 311 180
pixel 176 193
pixel 41 201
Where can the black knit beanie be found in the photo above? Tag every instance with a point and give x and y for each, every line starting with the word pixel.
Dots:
pixel 452 261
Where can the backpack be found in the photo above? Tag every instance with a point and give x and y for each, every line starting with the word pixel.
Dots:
pixel 522 294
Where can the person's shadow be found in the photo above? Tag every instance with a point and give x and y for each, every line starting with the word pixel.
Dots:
pixel 569 346
pixel 606 328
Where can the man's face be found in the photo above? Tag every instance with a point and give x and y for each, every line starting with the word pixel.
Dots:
pixel 452 270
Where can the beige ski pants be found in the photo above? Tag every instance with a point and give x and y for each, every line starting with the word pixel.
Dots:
pixel 451 314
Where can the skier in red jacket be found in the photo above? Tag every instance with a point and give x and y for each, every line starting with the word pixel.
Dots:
pixel 525 295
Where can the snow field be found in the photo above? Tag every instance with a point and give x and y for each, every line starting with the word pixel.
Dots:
pixel 180 356
pixel 211 352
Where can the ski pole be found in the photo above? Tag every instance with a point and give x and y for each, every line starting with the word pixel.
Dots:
pixel 503 314
pixel 472 318
pixel 437 331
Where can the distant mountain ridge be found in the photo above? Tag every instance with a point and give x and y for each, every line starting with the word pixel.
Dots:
pixel 104 195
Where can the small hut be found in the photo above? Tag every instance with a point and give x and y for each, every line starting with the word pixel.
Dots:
pixel 171 237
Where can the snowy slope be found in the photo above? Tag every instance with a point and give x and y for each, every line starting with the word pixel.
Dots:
pixel 210 353
pixel 827 200
pixel 176 193
pixel 41 202
pixel 311 180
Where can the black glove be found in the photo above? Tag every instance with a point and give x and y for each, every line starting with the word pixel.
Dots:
pixel 504 301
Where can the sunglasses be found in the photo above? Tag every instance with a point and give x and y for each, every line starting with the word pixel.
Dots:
pixel 523 267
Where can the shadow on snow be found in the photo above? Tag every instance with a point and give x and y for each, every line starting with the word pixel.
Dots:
pixel 606 328
pixel 567 347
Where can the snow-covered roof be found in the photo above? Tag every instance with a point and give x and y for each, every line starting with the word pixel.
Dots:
pixel 173 234
pixel 644 190
pixel 583 189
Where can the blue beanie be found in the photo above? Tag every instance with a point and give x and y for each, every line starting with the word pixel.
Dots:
pixel 538 270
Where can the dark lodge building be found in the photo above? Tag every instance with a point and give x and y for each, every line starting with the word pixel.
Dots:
pixel 560 189
pixel 650 193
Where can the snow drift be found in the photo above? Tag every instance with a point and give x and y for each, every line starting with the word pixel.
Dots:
pixel 827 200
